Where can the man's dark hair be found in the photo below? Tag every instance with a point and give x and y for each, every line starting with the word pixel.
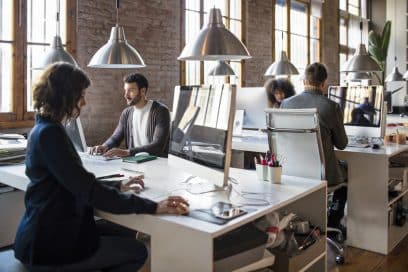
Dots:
pixel 139 79
pixel 315 74
pixel 57 91
pixel 284 85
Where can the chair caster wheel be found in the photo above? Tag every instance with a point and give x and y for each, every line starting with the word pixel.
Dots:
pixel 339 260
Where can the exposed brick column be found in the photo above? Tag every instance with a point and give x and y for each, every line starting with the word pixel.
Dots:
pixel 330 39
pixel 258 34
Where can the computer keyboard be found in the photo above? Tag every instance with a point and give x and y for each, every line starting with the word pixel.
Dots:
pixel 88 156
pixel 363 142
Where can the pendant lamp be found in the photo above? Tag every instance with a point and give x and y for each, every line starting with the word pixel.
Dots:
pixel 282 67
pixel 117 52
pixel 215 42
pixel 221 69
pixel 361 61
pixel 56 52
pixel 395 75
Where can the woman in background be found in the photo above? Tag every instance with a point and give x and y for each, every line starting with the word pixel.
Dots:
pixel 58 230
pixel 277 90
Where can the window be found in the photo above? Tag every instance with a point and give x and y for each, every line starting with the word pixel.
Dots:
pixel 196 15
pixel 297 32
pixel 352 12
pixel 23 41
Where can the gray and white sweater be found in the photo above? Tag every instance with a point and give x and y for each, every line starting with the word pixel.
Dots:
pixel 157 131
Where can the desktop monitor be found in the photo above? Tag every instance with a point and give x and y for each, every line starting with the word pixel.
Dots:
pixel 363 109
pixel 253 101
pixel 76 134
pixel 201 136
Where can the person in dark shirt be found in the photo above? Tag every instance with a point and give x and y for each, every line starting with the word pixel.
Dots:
pixel 58 230
pixel 277 90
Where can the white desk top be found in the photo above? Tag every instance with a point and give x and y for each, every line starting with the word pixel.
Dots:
pixel 257 141
pixel 162 180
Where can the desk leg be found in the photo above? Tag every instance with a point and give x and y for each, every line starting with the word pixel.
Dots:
pixel 174 248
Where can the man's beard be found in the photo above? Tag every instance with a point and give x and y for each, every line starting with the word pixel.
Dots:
pixel 135 100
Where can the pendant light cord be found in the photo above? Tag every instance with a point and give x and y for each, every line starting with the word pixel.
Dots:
pixel 58 18
pixel 395 42
pixel 117 12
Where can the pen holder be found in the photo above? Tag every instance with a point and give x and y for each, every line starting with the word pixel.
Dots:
pixel 275 174
pixel 261 171
pixel 401 138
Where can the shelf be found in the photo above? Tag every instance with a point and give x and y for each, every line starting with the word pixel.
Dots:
pixel 395 199
pixel 267 261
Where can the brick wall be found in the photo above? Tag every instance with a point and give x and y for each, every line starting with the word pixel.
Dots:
pixel 153 28
pixel 258 34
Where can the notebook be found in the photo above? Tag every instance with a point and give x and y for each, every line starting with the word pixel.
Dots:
pixel 139 158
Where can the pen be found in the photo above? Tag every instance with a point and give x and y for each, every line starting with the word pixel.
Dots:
pixel 111 176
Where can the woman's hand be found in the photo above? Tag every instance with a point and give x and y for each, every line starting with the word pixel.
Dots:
pixel 134 184
pixel 117 152
pixel 172 205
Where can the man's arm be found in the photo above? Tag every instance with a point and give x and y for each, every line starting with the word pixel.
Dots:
pixel 117 137
pixel 160 136
pixel 339 135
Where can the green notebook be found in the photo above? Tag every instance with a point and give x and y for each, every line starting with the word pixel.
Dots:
pixel 140 158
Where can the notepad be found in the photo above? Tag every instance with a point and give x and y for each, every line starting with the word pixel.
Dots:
pixel 139 158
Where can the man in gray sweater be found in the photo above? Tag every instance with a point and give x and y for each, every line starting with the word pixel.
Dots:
pixel 332 132
pixel 145 124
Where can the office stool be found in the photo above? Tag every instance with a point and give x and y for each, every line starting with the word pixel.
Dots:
pixel 337 246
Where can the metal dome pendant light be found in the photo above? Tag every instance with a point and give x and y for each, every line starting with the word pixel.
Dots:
pixel 221 69
pixel 395 75
pixel 282 67
pixel 117 52
pixel 215 42
pixel 361 61
pixel 56 52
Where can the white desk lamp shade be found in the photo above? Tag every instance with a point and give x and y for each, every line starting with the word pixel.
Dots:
pixel 215 42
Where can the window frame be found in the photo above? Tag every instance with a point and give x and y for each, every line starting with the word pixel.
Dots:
pixel 183 76
pixel 345 15
pixel 19 117
pixel 288 31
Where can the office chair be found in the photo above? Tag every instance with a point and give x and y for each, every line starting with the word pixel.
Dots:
pixel 295 135
pixel 339 234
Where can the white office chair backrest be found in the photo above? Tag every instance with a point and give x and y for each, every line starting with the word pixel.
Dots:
pixel 294 135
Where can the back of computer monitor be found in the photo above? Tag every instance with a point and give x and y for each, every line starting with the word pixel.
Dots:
pixel 253 101
pixel 201 138
pixel 75 132
pixel 363 109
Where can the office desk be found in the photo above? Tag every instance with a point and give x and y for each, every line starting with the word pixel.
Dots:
pixel 368 203
pixel 181 243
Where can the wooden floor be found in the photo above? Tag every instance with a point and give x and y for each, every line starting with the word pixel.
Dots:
pixel 365 261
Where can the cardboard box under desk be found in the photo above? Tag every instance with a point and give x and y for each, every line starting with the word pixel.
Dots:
pixel 291 264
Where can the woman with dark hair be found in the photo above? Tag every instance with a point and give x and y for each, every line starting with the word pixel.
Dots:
pixel 277 90
pixel 58 230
